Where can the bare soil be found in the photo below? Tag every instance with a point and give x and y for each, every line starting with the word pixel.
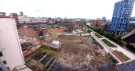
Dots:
pixel 80 54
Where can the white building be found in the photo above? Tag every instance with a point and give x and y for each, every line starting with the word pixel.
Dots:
pixel 56 44
pixel 26 19
pixel 10 50
pixel 89 24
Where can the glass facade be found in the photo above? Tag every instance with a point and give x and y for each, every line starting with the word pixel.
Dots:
pixel 121 15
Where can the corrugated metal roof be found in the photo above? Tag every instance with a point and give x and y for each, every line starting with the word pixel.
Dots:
pixel 130 66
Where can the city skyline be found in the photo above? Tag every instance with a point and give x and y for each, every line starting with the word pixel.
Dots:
pixel 61 8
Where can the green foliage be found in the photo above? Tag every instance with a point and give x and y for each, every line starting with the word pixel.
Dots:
pixel 48 50
pixel 112 37
pixel 89 31
pixel 108 43
pixel 98 35
pixel 121 56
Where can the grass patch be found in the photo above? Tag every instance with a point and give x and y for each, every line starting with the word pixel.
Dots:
pixel 89 30
pixel 108 43
pixel 98 35
pixel 48 50
pixel 44 50
pixel 121 56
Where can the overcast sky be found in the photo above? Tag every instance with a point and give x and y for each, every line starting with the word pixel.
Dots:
pixel 61 8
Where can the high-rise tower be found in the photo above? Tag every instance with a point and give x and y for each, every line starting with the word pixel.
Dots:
pixel 121 15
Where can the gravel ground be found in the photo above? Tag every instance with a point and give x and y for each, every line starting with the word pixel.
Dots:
pixel 79 54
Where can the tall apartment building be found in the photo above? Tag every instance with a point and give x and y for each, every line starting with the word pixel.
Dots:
pixel 122 12
pixel 11 56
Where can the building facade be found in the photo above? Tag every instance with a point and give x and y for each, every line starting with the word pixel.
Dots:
pixel 121 15
pixel 98 23
pixel 131 25
pixel 11 55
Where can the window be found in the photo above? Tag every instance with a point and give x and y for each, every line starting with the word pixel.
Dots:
pixel 1 54
pixel 4 62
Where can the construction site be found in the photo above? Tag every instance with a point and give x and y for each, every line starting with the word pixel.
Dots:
pixel 64 51
pixel 54 49
pixel 79 53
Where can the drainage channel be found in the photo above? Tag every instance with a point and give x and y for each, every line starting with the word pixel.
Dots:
pixel 48 62
pixel 38 55
pixel 42 57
